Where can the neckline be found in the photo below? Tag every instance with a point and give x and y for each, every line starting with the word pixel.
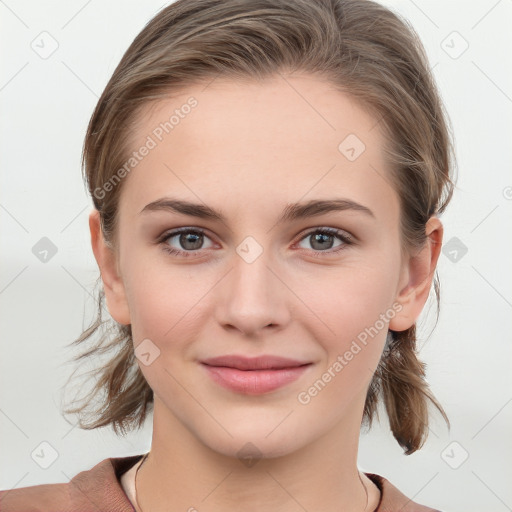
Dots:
pixel 127 481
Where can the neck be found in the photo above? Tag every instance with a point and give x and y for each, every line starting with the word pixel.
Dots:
pixel 186 473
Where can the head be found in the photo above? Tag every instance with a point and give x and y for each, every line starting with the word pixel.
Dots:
pixel 268 104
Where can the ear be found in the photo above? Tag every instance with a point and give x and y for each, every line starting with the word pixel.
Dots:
pixel 416 278
pixel 107 262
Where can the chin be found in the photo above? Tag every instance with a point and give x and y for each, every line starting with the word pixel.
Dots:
pixel 250 443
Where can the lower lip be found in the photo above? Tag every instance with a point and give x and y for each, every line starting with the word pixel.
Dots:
pixel 254 382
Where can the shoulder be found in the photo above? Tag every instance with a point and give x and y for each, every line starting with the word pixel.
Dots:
pixel 97 489
pixel 392 500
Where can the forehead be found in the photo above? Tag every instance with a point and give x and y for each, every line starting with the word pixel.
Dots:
pixel 276 111
pixel 255 141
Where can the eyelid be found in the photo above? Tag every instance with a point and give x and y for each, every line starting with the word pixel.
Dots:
pixel 181 253
pixel 329 230
pixel 171 233
pixel 345 237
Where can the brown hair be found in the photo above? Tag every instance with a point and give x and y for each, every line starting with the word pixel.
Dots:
pixel 361 47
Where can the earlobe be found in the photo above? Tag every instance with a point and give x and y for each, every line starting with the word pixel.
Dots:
pixel 417 277
pixel 107 262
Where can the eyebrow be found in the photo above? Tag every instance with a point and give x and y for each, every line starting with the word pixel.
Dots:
pixel 291 212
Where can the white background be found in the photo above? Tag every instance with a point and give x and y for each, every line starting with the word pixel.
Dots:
pixel 45 106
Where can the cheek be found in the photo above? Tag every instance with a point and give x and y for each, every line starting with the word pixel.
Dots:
pixel 349 300
pixel 354 307
pixel 164 300
pixel 338 303
pixel 339 386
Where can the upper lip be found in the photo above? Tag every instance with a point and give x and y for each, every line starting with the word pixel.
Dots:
pixel 266 362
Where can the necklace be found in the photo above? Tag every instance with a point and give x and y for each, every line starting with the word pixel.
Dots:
pixel 135 481
pixel 146 456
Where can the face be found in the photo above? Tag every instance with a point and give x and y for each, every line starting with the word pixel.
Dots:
pixel 261 277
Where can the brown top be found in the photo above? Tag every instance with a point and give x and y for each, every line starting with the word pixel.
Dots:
pixel 99 490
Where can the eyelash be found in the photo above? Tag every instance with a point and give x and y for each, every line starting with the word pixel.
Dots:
pixel 341 235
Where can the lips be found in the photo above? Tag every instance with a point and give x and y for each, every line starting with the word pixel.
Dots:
pixel 254 376
pixel 254 363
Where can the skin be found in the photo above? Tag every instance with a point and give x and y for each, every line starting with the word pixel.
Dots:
pixel 247 150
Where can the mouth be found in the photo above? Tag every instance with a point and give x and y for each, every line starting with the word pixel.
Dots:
pixel 254 376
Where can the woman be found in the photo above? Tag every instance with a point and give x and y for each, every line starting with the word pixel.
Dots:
pixel 267 179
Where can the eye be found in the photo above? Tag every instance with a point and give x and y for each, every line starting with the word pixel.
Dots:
pixel 189 240
pixel 321 240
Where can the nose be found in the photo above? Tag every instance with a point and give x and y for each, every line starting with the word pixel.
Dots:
pixel 253 297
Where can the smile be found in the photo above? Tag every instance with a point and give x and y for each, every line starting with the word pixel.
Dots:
pixel 254 376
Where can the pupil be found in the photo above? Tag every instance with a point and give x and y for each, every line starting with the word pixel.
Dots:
pixel 322 238
pixel 191 238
